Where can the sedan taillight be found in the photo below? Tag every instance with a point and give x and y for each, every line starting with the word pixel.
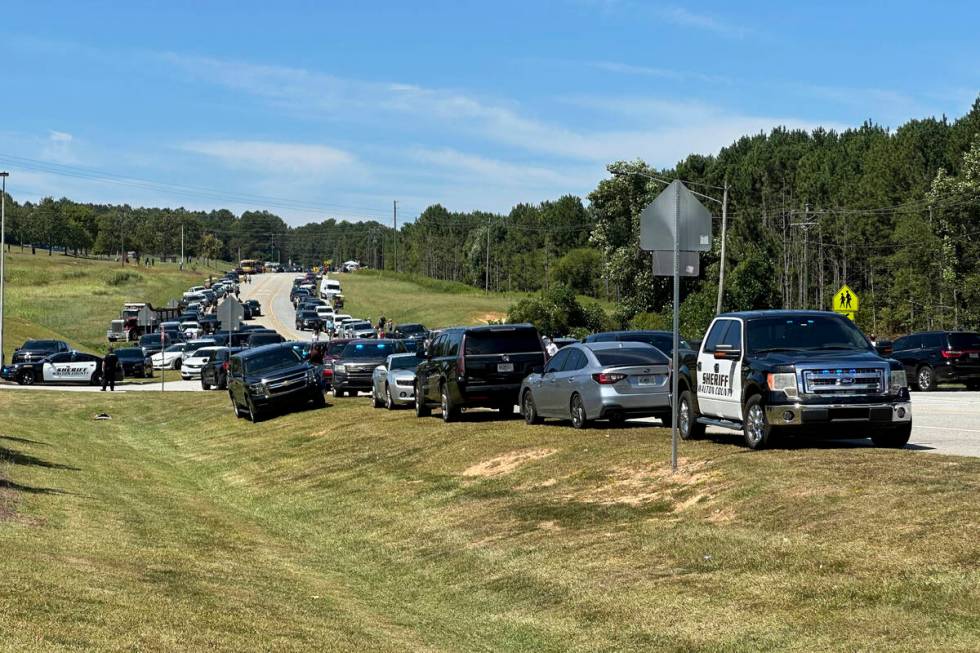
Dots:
pixel 604 378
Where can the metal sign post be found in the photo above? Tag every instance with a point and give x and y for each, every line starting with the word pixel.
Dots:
pixel 163 368
pixel 676 216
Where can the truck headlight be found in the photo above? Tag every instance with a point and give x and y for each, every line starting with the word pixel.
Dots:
pixel 257 388
pixel 897 380
pixel 783 382
pixel 339 368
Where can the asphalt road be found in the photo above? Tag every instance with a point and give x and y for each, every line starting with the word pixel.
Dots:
pixel 272 291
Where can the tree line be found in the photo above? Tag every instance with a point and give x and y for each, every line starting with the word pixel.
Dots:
pixel 894 214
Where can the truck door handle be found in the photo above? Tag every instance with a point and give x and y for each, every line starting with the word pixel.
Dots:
pixel 699 366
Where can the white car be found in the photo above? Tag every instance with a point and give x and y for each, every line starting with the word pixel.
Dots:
pixel 191 329
pixel 71 367
pixel 192 366
pixel 170 358
pixel 324 311
pixel 393 384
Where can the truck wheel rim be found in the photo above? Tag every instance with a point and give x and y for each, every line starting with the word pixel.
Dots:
pixel 924 378
pixel 684 417
pixel 756 424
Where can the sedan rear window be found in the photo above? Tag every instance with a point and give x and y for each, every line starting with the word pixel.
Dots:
pixel 502 341
pixel 629 356
pixel 964 341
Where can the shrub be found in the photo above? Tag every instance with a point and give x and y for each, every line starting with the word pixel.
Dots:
pixel 122 277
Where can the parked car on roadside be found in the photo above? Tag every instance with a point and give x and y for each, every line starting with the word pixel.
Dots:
pixel 214 374
pixel 934 357
pixel 274 375
pixel 484 366
pixel 170 358
pixel 599 380
pixel 254 306
pixel 308 320
pixel 262 338
pixel 393 383
pixel 151 343
pixel 62 367
pixel 195 362
pixel 35 350
pixel 353 368
pixel 662 340
pixel 134 362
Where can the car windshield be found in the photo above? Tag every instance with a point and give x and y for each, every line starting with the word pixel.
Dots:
pixel 130 353
pixel 270 360
pixel 804 334
pixel 206 353
pixel 308 314
pixel 502 341
pixel 964 340
pixel 629 356
pixel 150 339
pixel 367 350
pixel 404 362
pixel 40 345
pixel 411 328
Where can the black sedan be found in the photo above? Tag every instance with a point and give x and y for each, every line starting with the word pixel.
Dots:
pixel 274 375
pixel 134 362
pixel 254 306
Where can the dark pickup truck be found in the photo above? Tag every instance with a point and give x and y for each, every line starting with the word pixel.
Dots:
pixel 273 375
pixel 773 373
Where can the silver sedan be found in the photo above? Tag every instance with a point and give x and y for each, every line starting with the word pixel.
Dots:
pixel 599 380
pixel 393 384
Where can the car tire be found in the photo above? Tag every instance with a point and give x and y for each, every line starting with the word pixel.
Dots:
pixel 755 429
pixel 205 385
pixel 95 379
pixel 176 364
pixel 254 414
pixel 337 392
pixel 389 400
pixel 529 409
pixel 894 438
pixel 925 379
pixel 234 406
pixel 422 409
pixel 687 418
pixel 375 399
pixel 576 410
pixel 26 377
pixel 450 413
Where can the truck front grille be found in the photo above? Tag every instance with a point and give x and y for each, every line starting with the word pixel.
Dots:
pixel 843 381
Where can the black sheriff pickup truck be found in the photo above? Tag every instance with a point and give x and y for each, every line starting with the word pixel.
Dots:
pixel 774 373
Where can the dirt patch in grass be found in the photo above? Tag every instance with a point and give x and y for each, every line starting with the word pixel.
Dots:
pixel 506 463
pixel 493 316
pixel 691 485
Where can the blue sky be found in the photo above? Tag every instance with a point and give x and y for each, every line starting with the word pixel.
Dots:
pixel 316 109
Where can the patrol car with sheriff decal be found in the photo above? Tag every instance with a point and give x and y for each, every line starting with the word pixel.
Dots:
pixel 63 367
pixel 772 373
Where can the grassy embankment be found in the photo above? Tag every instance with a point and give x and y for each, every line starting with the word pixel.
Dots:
pixel 410 298
pixel 74 299
pixel 175 526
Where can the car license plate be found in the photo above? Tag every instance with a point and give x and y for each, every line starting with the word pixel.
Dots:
pixel 505 367
pixel 644 380
pixel 974 354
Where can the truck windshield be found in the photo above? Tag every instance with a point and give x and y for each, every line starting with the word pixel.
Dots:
pixel 808 333
pixel 271 360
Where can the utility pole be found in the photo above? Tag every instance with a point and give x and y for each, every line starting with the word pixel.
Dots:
pixel 181 245
pixel 487 289
pixel 3 243
pixel 394 221
pixel 724 229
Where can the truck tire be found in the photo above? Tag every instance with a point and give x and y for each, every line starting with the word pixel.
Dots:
pixel 894 438
pixel 26 377
pixel 925 379
pixel 422 409
pixel 755 429
pixel 450 413
pixel 687 418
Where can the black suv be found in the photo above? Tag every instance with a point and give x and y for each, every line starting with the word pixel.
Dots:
pixel 35 350
pixel 770 373
pixel 261 378
pixel 308 319
pixel 466 367
pixel 254 306
pixel 354 367
pixel 134 362
pixel 935 357
pixel 214 374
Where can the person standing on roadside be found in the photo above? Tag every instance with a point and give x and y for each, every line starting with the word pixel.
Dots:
pixel 109 364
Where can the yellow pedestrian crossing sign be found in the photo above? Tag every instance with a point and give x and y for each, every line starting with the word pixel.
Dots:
pixel 846 302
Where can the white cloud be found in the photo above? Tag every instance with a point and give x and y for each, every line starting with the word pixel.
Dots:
pixel 58 147
pixel 686 18
pixel 294 158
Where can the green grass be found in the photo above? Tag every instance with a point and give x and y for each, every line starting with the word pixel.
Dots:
pixel 175 526
pixel 409 298
pixel 74 299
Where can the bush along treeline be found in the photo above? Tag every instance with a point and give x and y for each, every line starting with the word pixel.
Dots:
pixel 894 214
